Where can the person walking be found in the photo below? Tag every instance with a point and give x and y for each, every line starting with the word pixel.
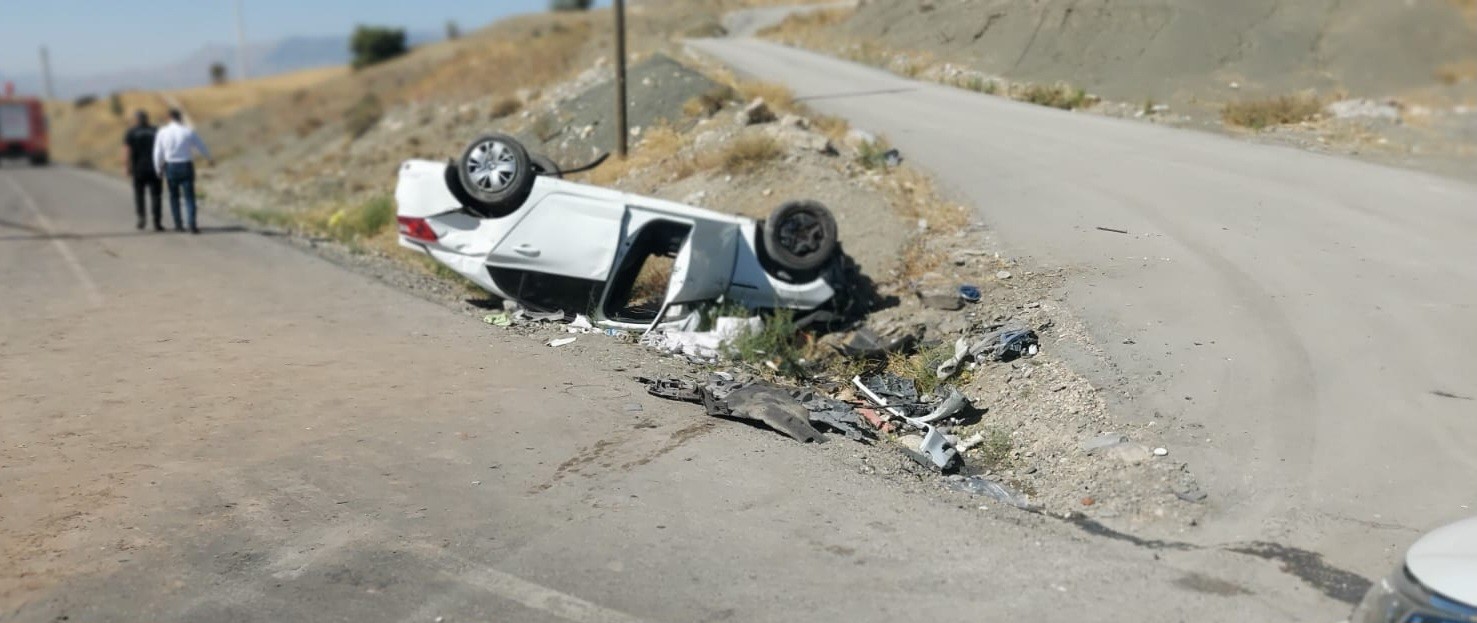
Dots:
pixel 138 162
pixel 174 161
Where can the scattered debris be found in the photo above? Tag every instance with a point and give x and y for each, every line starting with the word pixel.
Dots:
pixel 1004 274
pixel 935 447
pixel 1161 452
pixel 499 319
pixel 704 346
pixel 970 294
pixel 1113 230
pixel 999 345
pixel 948 301
pixel 770 404
pixel 1388 110
pixel 979 485
pixel 562 342
pixel 864 343
pixel 792 411
pixel 1101 442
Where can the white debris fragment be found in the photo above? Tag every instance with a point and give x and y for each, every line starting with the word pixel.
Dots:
pixel 1161 452
pixel 562 342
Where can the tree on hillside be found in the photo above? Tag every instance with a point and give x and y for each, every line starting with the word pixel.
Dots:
pixel 376 44
pixel 570 5
pixel 217 73
pixel 453 31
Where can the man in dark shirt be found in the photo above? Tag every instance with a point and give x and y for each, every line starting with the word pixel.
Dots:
pixel 139 161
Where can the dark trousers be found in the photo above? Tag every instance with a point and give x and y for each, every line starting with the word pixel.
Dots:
pixel 155 186
pixel 181 179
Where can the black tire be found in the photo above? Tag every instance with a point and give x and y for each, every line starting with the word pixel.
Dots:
pixel 40 160
pixel 800 237
pixel 496 174
pixel 545 166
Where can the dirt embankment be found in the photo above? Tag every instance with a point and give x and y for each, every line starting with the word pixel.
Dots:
pixel 1393 82
pixel 1163 49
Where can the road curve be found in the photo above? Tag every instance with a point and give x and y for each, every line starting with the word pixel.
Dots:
pixel 221 428
pixel 1304 323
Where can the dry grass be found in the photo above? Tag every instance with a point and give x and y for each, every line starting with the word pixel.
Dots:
pixel 217 102
pixel 1060 96
pixel 802 25
pixel 778 96
pixel 1264 113
pixel 710 102
pixel 1458 72
pixel 744 154
pixel 918 260
pixel 659 146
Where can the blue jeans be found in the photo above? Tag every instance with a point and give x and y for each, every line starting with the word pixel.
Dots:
pixel 180 176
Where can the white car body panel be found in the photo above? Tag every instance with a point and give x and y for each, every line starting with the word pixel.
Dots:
pixel 584 232
pixel 1445 561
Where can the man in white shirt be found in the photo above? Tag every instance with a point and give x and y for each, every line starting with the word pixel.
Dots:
pixel 174 161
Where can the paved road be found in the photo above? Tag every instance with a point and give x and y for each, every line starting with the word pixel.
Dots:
pixel 222 428
pixel 1304 321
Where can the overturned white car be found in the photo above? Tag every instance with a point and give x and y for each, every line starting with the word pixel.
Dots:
pixel 506 221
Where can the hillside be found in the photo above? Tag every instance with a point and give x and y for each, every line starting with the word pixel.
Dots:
pixel 1136 49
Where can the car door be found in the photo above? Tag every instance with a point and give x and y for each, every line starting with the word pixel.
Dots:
pixel 565 234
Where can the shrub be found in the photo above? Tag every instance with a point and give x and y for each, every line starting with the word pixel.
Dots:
pixel 363 115
pixel 1258 114
pixel 570 5
pixel 873 154
pixel 376 44
pixel 505 107
pixel 217 73
pixel 747 152
pixel 1058 96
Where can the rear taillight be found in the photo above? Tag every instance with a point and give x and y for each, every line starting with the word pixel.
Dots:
pixel 416 228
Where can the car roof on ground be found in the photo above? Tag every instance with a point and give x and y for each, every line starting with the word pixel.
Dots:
pixel 1445 561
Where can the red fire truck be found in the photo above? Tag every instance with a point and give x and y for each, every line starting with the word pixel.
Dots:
pixel 23 128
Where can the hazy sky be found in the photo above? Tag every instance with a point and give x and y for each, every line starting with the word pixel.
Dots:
pixel 91 36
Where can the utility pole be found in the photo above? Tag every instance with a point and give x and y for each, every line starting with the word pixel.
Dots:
pixel 46 73
pixel 240 43
pixel 622 133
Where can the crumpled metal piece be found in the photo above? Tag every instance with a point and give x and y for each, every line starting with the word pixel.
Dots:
pixel 1000 345
pixel 833 414
pixel 936 446
pixel 673 389
pixel 865 343
pixel 770 404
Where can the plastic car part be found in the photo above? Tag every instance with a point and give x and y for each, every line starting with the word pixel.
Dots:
pixel 936 446
pixel 496 174
pixel 800 236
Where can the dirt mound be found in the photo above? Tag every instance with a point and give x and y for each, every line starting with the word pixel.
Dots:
pixel 1137 49
pixel 657 89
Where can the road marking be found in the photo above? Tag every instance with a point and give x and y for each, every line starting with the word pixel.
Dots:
pixel 94 295
pixel 541 598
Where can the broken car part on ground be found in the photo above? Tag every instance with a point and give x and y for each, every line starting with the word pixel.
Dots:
pixel 507 221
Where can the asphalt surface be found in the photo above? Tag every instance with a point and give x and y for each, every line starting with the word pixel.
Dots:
pixel 1302 323
pixel 223 428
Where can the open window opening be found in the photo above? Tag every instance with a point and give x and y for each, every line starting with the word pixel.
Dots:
pixel 639 286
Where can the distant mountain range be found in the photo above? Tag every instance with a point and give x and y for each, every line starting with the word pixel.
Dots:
pixel 263 59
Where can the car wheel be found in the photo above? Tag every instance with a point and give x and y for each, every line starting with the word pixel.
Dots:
pixel 496 174
pixel 800 236
pixel 544 165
